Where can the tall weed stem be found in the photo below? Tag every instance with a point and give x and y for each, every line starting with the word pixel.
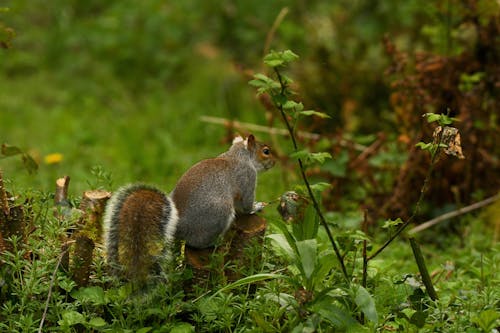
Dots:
pixel 306 181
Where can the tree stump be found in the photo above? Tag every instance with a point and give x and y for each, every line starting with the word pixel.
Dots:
pixel 93 204
pixel 246 232
pixel 82 260
pixel 12 222
pixel 61 211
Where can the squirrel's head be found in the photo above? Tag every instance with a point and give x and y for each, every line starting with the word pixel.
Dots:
pixel 262 154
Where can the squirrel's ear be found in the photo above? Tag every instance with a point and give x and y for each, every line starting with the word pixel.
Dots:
pixel 238 139
pixel 251 142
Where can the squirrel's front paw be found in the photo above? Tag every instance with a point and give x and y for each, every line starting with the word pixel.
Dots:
pixel 258 206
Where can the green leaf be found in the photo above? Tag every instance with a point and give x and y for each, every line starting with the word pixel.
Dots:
pixel 366 303
pixel 424 146
pixel 314 113
pixel 8 150
pixel 144 330
pixel 276 59
pixel 432 117
pixel 418 319
pixel 392 223
pixel 307 250
pixel 282 242
pixel 182 328
pixel 320 187
pixel 94 295
pixel 339 317
pixel 97 322
pixel 486 320
pixel 30 164
pixel 292 105
pixel 70 318
pixel 311 158
pixel 248 280
pixel 308 228
pixel 289 56
pixel 319 157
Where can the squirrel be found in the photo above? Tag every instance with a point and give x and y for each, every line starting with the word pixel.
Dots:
pixel 141 222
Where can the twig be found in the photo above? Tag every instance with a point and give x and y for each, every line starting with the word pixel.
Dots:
pixel 4 205
pixel 272 31
pixel 365 257
pixel 52 282
pixel 306 182
pixel 275 131
pixel 416 210
pixel 454 213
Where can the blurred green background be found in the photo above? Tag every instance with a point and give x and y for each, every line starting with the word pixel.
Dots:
pixel 122 84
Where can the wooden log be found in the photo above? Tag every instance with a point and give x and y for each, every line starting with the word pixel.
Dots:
pixel 93 204
pixel 61 211
pixel 82 260
pixel 61 194
pixel 12 222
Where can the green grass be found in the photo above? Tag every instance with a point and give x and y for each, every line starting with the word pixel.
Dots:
pixel 152 137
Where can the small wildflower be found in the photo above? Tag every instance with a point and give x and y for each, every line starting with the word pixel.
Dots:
pixel 54 158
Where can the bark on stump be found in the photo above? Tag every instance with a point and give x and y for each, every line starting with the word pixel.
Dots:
pixel 247 231
pixel 12 221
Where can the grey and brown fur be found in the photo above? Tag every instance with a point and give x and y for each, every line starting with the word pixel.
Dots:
pixel 210 194
pixel 139 222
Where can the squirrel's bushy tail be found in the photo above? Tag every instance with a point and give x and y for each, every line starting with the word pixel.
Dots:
pixel 139 222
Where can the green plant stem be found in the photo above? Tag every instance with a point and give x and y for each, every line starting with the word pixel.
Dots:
pixel 306 181
pixel 422 268
pixel 434 155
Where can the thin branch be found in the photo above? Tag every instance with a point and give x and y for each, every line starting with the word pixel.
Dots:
pixel 416 210
pixel 276 131
pixel 454 213
pixel 52 282
pixel 306 182
pixel 272 31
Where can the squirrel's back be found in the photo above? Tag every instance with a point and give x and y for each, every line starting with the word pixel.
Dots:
pixel 139 222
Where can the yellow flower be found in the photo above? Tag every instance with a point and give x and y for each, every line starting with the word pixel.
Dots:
pixel 54 158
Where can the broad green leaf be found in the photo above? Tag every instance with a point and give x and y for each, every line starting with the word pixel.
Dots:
pixel 97 322
pixel 182 328
pixel 308 228
pixel 366 303
pixel 70 318
pixel 327 260
pixel 486 320
pixel 308 255
pixel 94 295
pixel 339 317
pixel 289 56
pixel 281 241
pixel 144 330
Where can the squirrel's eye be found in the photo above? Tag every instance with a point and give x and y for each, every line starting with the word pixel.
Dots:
pixel 266 151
